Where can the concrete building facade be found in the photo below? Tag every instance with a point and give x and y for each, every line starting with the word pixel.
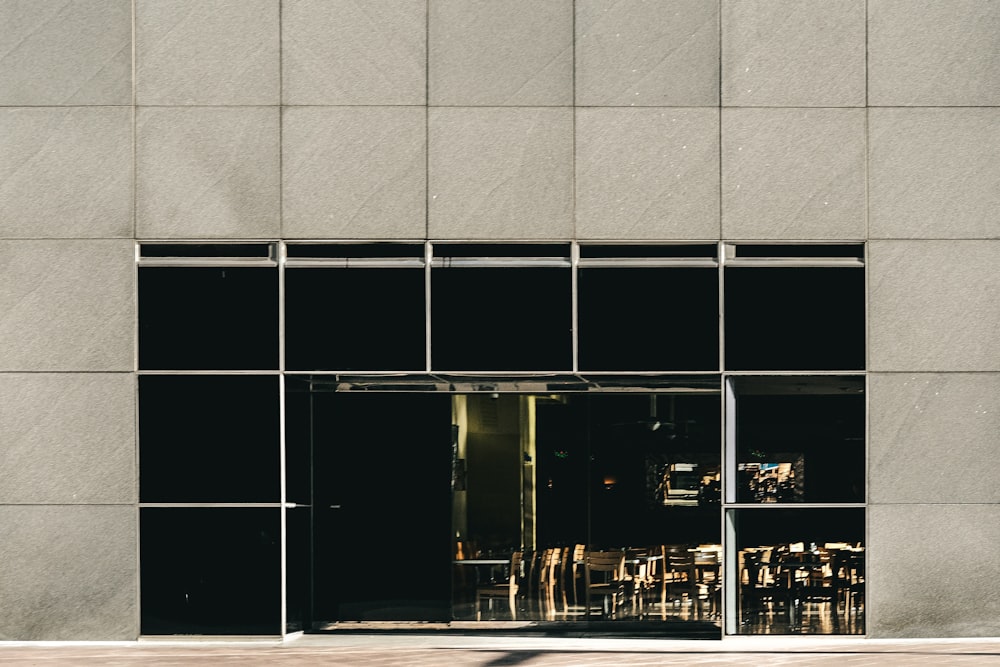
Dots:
pixel 863 121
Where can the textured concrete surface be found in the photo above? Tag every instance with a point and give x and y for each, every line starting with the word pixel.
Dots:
pixel 354 171
pixel 417 650
pixel 207 51
pixel 647 173
pixel 936 568
pixel 349 52
pixel 67 438
pixel 500 173
pixel 69 572
pixel 67 305
pixel 792 53
pixel 500 52
pixel 933 306
pixel 58 52
pixel 933 53
pixel 793 173
pixel 65 172
pixel 639 53
pixel 933 437
pixel 207 172
pixel 933 173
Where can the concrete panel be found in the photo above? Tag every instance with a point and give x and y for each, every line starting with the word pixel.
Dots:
pixel 933 438
pixel 501 173
pixel 934 305
pixel 501 52
pixel 67 305
pixel 67 438
pixel 354 172
pixel 793 53
pixel 207 51
pixel 639 53
pixel 932 571
pixel 647 173
pixel 65 172
pixel 934 173
pixel 933 53
pixel 207 172
pixel 69 573
pixel 58 52
pixel 793 173
pixel 349 52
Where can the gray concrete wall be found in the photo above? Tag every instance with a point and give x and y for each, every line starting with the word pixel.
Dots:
pixel 496 119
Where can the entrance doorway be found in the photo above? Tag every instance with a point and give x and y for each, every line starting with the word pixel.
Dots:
pixel 495 509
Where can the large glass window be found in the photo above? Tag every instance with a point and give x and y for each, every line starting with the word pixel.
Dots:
pixel 552 434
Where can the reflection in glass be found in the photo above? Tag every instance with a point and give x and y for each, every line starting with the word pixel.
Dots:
pixel 213 571
pixel 800 439
pixel 801 571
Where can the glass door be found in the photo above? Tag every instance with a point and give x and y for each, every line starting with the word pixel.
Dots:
pixel 380 505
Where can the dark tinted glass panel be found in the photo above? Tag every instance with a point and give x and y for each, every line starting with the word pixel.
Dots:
pixel 298 571
pixel 354 319
pixel 801 571
pixel 811 250
pixel 214 571
pixel 299 406
pixel 502 250
pixel 208 439
pixel 655 470
pixel 501 319
pixel 208 318
pixel 800 448
pixel 795 318
pixel 649 319
pixel 259 250
pixel 382 469
pixel 684 250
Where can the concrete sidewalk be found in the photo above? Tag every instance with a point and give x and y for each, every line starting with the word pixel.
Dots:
pixel 458 651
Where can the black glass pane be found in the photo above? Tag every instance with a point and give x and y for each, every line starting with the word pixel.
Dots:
pixel 795 318
pixel 801 571
pixel 354 319
pixel 298 570
pixel 208 318
pixel 681 250
pixel 649 319
pixel 214 571
pixel 209 438
pixel 501 319
pixel 501 250
pixel 811 250
pixel 259 250
pixel 355 250
pixel 299 406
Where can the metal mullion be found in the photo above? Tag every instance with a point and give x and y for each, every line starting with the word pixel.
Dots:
pixel 574 261
pixel 786 506
pixel 353 263
pixel 428 262
pixel 847 372
pixel 209 262
pixel 646 262
pixel 796 262
pixel 207 372
pixel 203 505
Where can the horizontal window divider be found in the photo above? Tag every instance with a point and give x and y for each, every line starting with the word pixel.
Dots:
pixel 764 373
pixel 796 262
pixel 143 371
pixel 354 263
pixel 209 262
pixel 210 505
pixel 795 506
pixel 647 262
pixel 497 262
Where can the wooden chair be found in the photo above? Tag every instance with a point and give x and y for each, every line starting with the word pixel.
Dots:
pixel 550 567
pixel 507 590
pixel 604 577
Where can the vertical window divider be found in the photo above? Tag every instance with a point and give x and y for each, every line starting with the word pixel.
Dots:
pixel 574 260
pixel 281 254
pixel 428 258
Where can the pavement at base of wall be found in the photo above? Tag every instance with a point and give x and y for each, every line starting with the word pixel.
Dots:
pixel 479 651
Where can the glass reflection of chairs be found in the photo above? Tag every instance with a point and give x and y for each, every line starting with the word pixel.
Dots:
pixel 802 588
